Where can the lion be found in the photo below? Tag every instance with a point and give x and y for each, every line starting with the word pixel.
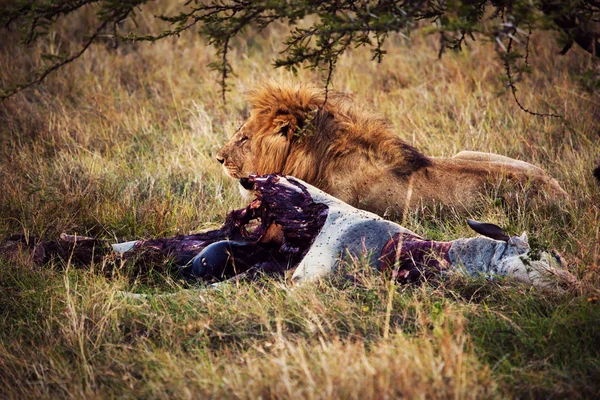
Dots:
pixel 355 156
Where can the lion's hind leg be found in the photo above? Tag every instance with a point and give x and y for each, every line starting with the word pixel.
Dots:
pixel 519 168
pixel 497 159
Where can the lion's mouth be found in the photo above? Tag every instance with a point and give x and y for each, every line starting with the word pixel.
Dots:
pixel 234 172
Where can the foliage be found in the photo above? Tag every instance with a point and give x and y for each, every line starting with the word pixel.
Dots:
pixel 334 27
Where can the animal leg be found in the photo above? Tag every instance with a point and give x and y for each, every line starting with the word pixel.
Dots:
pixel 497 159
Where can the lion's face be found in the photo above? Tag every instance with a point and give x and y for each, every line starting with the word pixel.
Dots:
pixel 236 156
pixel 260 146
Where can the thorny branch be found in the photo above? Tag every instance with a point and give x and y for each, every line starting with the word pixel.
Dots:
pixel 511 82
pixel 43 74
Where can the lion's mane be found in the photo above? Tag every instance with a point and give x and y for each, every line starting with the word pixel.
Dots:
pixel 322 137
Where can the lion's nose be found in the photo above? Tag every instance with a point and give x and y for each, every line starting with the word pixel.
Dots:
pixel 220 159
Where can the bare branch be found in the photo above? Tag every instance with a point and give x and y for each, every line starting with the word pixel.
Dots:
pixel 43 74
pixel 513 88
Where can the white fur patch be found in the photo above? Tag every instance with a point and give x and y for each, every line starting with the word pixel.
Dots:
pixel 245 193
pixel 347 230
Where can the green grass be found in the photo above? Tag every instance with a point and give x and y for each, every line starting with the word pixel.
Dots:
pixel 120 145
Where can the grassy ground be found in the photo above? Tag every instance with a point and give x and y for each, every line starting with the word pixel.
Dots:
pixel 121 144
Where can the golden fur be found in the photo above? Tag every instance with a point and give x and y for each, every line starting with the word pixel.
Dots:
pixel 355 156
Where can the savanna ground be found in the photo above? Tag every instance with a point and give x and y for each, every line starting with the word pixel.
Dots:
pixel 120 145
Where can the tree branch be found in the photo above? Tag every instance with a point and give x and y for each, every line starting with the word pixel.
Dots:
pixel 586 39
pixel 513 88
pixel 43 74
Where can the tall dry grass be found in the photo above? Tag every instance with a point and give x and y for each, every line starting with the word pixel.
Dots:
pixel 121 145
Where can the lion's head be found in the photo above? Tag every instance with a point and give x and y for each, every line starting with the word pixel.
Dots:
pixel 263 144
pixel 292 130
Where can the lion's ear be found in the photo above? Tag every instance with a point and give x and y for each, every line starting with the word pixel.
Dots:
pixel 285 126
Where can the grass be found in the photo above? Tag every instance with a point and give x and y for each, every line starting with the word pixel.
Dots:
pixel 120 145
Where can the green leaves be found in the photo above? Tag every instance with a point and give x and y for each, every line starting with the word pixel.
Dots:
pixel 320 31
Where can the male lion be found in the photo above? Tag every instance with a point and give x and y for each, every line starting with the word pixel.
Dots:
pixel 355 156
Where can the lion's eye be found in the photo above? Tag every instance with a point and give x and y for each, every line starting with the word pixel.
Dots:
pixel 243 139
